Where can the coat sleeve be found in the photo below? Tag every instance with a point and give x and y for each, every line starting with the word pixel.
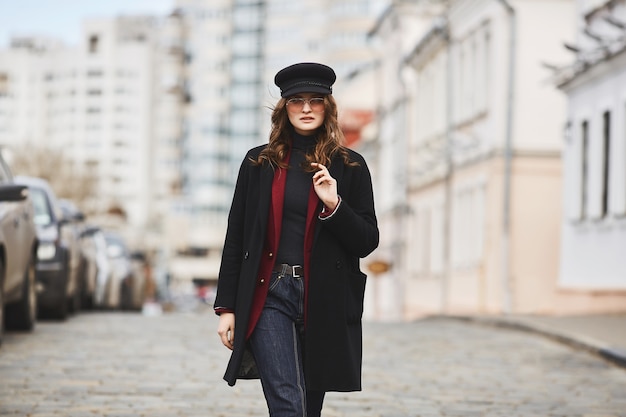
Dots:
pixel 232 254
pixel 354 222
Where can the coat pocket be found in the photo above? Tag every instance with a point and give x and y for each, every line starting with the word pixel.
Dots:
pixel 354 296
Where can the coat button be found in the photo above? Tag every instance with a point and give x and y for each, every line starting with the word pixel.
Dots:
pixel 338 265
pixel 270 254
pixel 246 255
pixel 262 281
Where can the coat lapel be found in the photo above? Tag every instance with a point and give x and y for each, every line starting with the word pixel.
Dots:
pixel 265 195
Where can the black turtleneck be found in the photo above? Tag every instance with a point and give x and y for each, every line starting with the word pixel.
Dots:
pixel 297 187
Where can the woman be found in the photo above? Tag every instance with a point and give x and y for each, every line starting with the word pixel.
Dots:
pixel 302 215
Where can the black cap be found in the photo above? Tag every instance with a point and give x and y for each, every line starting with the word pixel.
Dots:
pixel 305 77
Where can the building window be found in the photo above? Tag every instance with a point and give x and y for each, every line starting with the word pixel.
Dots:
pixel 606 162
pixel 584 168
pixel 468 219
pixel 93 44
pixel 4 84
pixel 471 63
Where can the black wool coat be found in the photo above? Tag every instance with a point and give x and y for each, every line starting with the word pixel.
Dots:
pixel 336 284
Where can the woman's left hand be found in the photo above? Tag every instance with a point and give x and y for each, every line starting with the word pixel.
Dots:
pixel 325 186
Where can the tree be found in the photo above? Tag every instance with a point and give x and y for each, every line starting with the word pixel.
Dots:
pixel 67 179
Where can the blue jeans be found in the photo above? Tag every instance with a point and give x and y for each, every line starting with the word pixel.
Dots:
pixel 276 344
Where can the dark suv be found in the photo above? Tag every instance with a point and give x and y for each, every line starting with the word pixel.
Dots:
pixel 18 248
pixel 58 254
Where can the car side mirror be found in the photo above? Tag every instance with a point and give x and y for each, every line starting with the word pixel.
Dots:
pixel 12 192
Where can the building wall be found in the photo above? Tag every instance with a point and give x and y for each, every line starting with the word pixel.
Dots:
pixel 593 227
pixel 460 257
pixel 594 196
pixel 538 125
pixel 206 185
pixel 117 85
pixel 393 36
pixel 169 98
pixel 536 213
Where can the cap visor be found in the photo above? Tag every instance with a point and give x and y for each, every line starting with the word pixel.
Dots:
pixel 305 89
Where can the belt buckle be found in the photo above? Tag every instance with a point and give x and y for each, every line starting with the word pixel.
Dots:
pixel 294 269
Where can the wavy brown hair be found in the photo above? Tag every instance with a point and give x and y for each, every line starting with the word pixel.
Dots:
pixel 329 138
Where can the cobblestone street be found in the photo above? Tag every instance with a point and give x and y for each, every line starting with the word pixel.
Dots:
pixel 122 364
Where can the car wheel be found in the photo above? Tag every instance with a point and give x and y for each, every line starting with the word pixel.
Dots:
pixel 59 311
pixel 126 295
pixel 87 302
pixel 23 314
pixel 86 298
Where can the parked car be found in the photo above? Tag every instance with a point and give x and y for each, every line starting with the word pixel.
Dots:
pixel 58 253
pixel 18 246
pixel 94 248
pixel 124 285
pixel 139 283
pixel 80 232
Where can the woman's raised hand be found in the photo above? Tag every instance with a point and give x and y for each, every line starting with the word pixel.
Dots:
pixel 325 186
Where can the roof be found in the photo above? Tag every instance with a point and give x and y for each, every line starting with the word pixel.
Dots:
pixel 586 61
pixel 439 29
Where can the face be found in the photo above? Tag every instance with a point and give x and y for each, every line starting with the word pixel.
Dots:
pixel 306 112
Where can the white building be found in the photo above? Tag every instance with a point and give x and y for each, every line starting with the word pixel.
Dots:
pixel 97 103
pixel 393 36
pixel 483 136
pixel 117 85
pixel 28 86
pixel 169 101
pixel 593 232
pixel 200 212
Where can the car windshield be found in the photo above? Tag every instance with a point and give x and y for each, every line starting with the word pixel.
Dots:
pixel 43 215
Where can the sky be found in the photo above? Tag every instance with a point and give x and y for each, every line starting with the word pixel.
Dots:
pixel 63 18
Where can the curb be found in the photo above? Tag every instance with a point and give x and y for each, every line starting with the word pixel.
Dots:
pixel 615 355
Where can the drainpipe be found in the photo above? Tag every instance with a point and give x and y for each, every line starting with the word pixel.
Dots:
pixel 507 290
pixel 447 229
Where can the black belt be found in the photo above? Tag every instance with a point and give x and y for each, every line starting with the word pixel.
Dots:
pixel 293 270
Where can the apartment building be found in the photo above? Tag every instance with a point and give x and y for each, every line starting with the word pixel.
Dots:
pixel 31 93
pixel 118 83
pixel 170 98
pixel 96 103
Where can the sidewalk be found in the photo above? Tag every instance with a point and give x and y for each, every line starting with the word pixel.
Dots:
pixel 603 334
